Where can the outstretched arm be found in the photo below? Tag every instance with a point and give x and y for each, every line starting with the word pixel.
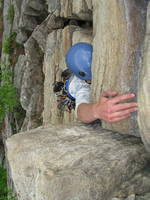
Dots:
pixel 110 110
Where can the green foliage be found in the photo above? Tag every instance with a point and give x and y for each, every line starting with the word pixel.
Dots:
pixel 8 97
pixel 9 43
pixel 10 14
pixel 3 184
pixel 5 193
pixel 3 179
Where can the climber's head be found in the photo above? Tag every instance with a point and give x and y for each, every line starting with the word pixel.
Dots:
pixel 79 59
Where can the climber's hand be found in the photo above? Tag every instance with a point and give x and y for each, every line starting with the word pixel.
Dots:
pixel 113 109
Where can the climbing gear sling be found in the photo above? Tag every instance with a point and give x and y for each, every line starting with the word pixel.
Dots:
pixel 65 101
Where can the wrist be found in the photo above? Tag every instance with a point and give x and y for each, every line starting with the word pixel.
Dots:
pixel 94 111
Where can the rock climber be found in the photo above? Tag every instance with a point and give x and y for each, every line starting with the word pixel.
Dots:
pixel 110 107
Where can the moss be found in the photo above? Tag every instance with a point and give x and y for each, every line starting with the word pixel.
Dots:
pixel 3 183
pixel 9 43
pixel 8 95
pixel 5 193
pixel 10 14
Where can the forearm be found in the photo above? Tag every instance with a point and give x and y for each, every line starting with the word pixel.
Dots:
pixel 85 112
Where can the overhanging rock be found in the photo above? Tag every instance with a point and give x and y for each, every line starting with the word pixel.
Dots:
pixel 76 162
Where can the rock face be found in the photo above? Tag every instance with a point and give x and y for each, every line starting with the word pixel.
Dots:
pixel 74 9
pixel 58 42
pixel 32 88
pixel 48 30
pixel 59 162
pixel 46 34
pixel 117 44
pixel 28 15
pixel 144 90
pixel 79 162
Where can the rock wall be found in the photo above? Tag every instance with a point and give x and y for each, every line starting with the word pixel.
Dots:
pixel 119 35
pixel 58 42
pixel 47 30
pixel 144 91
pixel 80 9
pixel 77 162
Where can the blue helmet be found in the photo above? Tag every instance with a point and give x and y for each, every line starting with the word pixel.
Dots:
pixel 79 59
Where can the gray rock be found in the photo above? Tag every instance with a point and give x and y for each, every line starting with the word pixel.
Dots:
pixel 144 94
pixel 137 185
pixel 31 96
pixel 73 162
pixel 131 197
pixel 143 197
pixel 55 23
pixel 53 5
pixel 32 13
pixel 19 71
pixel 81 9
pixel 117 51
pixel 17 14
pixel 21 37
pixel 116 198
pixel 35 5
pixel 6 25
pixel 41 32
pixel 27 23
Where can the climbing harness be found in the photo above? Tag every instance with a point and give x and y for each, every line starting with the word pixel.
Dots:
pixel 61 89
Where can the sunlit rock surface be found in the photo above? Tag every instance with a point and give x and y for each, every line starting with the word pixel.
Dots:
pixel 79 162
pixel 144 89
pixel 119 34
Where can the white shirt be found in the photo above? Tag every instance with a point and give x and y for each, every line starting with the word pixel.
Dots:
pixel 80 90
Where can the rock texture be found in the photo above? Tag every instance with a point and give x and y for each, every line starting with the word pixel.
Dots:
pixel 28 14
pixel 1 24
pixel 76 162
pixel 117 50
pixel 74 9
pixel 46 38
pixel 118 37
pixel 32 88
pixel 58 42
pixel 79 162
pixel 144 90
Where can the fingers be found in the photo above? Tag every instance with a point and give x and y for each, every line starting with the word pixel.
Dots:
pixel 123 113
pixel 117 119
pixel 123 106
pixel 122 98
pixel 109 93
pixel 113 110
